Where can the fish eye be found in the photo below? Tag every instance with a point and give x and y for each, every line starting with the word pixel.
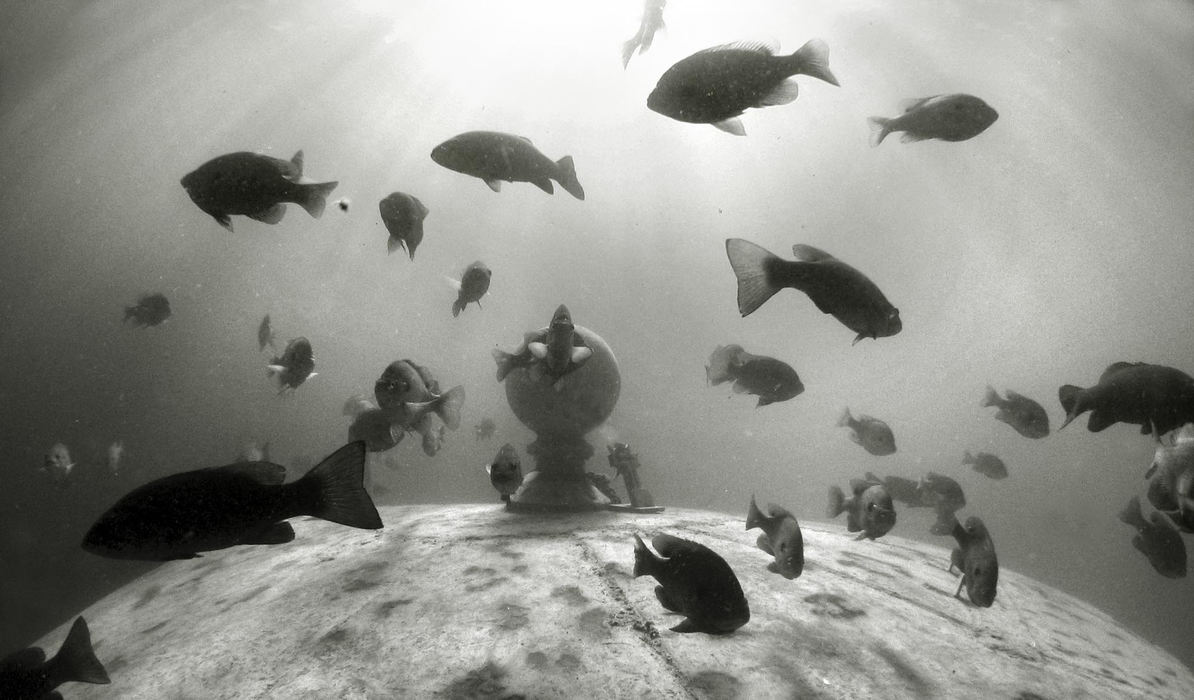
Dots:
pixel 870 506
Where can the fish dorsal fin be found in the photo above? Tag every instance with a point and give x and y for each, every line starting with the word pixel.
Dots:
pixel 783 93
pixel 807 253
pixel 767 48
pixel 1117 367
pixel 911 104
pixel 266 473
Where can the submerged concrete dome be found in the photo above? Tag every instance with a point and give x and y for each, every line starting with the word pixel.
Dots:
pixel 471 601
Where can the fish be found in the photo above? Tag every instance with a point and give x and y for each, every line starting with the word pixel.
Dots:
pixel 403 216
pixel 494 157
pixel 485 429
pixel 946 497
pixel 1026 416
pixel 178 516
pixel 1157 398
pixel 781 538
pixel 770 379
pixel 27 675
pixel 472 285
pixel 407 393
pixel 150 310
pixel 265 334
pixel 986 464
pixel 955 117
pixel 376 429
pixel 295 366
pixel 906 491
pixel 716 85
pixel 1157 538
pixel 253 185
pixel 357 404
pixel 695 582
pixel 869 511
pixel 833 286
pixel 874 435
pixel 115 455
pixel 551 352
pixel 58 463
pixel 651 22
pixel 1170 478
pixel 505 471
pixel 975 558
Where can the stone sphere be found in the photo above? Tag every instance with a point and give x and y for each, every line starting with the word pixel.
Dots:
pixel 581 401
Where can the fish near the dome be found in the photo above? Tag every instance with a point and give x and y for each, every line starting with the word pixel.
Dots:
pixel 975 558
pixel 505 471
pixel 781 538
pixel 695 582
pixel 253 185
pixel 403 216
pixel 562 350
pixel 946 117
pixel 495 157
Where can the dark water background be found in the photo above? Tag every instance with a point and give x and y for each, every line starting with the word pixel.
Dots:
pixel 1032 256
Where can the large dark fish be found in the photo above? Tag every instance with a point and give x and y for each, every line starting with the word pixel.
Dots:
pixel 1157 537
pixel 178 516
pixel 975 558
pixel 695 582
pixel 651 22
pixel 716 85
pixel 27 675
pixel 946 117
pixel 494 156
pixel 874 435
pixel 295 366
pixel 986 464
pixel 403 216
pixel 150 310
pixel 781 538
pixel 1026 416
pixel 1157 398
pixel 472 285
pixel 835 287
pixel 770 379
pixel 1171 479
pixel 869 511
pixel 253 185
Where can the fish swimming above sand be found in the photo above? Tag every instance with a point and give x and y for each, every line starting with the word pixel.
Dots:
pixel 505 471
pixel 695 582
pixel 496 157
pixel 946 117
pixel 833 286
pixel 770 379
pixel 1026 416
pixel 408 393
pixel 975 558
pixel 781 538
pixel 253 185
pixel 178 516
pixel 716 85
pixel 403 216
pixel 1157 398
pixel 872 434
pixel 869 511
pixel 27 675
pixel 1157 538
pixel 549 353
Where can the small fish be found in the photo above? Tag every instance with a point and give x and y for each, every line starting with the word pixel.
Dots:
pixel 651 22
pixel 1026 416
pixel 1157 537
pixel 716 85
pixel 265 334
pixel 1157 398
pixel 505 471
pixel 552 352
pixel 975 558
pixel 869 511
pixel 874 435
pixel 376 429
pixel 357 404
pixel 946 117
pixel 178 516
pixel 836 288
pixel 695 582
pixel 115 455
pixel 494 156
pixel 407 392
pixel 403 216
pixel 27 675
pixel 344 203
pixel 150 310
pixel 770 379
pixel 781 538
pixel 485 429
pixel 986 464
pixel 295 366
pixel 254 185
pixel 472 285
pixel 1171 479
pixel 58 463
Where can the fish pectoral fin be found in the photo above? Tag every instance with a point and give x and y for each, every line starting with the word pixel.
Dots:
pixel 733 125
pixel 544 184
pixel 783 93
pixel 453 283
pixel 270 216
pixel 278 533
pixel 686 627
pixel 538 350
pixel 494 184
pixel 580 354
pixel 223 220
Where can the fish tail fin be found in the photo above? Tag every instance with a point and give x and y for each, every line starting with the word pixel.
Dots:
pixel 338 483
pixel 644 561
pixel 846 419
pixel 991 398
pixel 812 59
pixel 314 197
pixel 566 176
pixel 751 263
pixel 1070 396
pixel 754 517
pixel 837 502
pixel 505 363
pixel 75 660
pixel 880 128
pixel 449 407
